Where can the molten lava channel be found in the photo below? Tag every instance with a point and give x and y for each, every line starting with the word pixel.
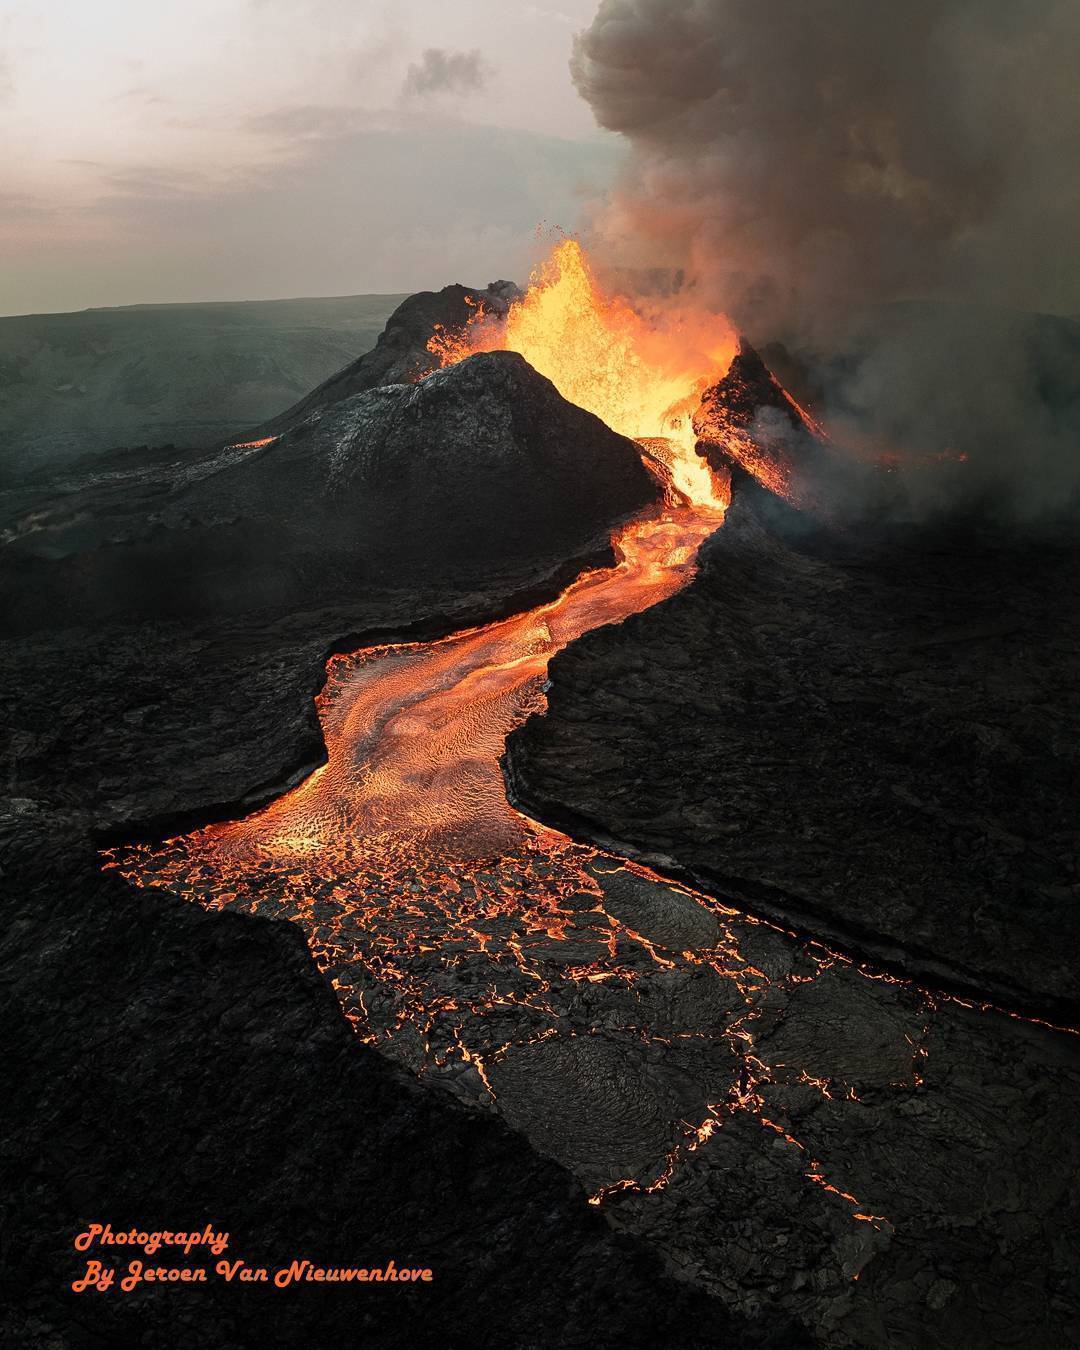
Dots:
pixel 458 934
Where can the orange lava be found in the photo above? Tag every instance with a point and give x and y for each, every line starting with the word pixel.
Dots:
pixel 252 445
pixel 414 731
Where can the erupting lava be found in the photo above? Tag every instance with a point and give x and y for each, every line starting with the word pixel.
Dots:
pixel 643 377
pixel 472 943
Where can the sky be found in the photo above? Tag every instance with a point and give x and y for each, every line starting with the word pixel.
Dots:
pixel 188 150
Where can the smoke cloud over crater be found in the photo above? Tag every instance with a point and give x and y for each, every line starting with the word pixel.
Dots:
pixel 793 156
pixel 808 166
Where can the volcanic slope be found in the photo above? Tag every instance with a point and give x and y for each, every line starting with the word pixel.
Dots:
pixel 401 354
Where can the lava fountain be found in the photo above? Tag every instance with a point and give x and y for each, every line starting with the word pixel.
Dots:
pixel 642 375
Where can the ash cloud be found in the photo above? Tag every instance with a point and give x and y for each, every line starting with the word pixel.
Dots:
pixel 445 72
pixel 814 169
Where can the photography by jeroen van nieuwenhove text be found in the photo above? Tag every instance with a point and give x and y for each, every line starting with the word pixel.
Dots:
pixel 112 1268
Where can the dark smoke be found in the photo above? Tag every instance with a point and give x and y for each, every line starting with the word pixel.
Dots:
pixel 814 168
pixel 445 72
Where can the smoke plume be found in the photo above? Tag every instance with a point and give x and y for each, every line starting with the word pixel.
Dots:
pixel 809 166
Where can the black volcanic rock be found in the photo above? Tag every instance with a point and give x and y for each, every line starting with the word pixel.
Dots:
pixel 179 611
pixel 485 457
pixel 877 738
pixel 747 420
pixel 748 388
pixel 479 469
pixel 401 355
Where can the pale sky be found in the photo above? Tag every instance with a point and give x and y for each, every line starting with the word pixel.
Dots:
pixel 164 150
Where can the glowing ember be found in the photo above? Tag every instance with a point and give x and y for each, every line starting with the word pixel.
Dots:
pixel 252 445
pixel 643 377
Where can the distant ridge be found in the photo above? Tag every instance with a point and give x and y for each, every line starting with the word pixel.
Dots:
pixel 190 375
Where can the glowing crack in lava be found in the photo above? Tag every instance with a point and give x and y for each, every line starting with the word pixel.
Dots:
pixel 620 1021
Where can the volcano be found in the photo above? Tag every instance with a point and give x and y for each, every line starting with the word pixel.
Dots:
pixel 721 959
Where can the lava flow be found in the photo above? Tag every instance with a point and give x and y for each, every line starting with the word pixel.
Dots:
pixel 521 969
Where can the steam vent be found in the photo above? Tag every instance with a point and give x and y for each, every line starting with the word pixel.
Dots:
pixel 544 810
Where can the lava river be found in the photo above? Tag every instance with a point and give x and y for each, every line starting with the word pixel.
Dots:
pixel 451 925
